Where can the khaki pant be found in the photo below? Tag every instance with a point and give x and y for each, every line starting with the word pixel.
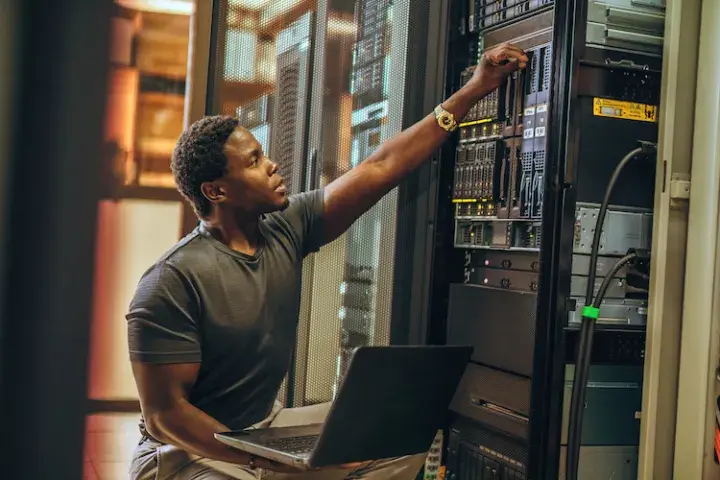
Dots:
pixel 153 461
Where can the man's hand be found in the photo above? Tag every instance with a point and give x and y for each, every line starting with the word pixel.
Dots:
pixel 494 67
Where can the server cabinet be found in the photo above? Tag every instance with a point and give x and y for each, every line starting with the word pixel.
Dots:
pixel 522 185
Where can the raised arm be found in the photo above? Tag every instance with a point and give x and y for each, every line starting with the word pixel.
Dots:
pixel 354 193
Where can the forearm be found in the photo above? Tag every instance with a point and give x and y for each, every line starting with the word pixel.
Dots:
pixel 409 149
pixel 191 429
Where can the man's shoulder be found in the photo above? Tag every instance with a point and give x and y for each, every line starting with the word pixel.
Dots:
pixel 183 258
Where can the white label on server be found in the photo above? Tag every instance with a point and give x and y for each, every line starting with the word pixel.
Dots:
pixel 530 111
pixel 528 133
pixel 542 108
pixel 540 132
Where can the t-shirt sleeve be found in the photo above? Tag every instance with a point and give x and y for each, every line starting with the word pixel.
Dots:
pixel 305 217
pixel 162 320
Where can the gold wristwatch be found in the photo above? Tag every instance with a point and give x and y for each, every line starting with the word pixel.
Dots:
pixel 445 119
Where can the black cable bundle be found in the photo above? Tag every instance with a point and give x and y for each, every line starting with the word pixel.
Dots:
pixel 590 315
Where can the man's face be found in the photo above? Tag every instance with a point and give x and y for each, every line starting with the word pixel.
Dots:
pixel 252 183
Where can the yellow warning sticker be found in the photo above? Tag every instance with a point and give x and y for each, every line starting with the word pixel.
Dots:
pixel 603 107
pixel 464 200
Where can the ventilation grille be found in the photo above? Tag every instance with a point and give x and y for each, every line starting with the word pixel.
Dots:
pixel 284 140
pixel 547 62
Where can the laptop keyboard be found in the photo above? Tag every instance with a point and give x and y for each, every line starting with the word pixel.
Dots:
pixel 295 445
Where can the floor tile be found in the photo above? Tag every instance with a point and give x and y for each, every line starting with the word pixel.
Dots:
pixel 110 440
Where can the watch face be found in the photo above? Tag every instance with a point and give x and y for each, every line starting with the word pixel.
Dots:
pixel 445 119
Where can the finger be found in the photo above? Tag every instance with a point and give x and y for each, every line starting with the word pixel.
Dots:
pixel 513 66
pixel 503 59
pixel 502 53
pixel 511 47
pixel 517 54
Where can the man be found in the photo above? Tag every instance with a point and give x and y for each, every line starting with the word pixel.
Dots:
pixel 213 323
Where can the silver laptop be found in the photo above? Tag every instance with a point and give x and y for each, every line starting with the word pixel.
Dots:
pixel 391 403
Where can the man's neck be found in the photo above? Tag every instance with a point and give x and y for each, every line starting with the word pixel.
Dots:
pixel 239 231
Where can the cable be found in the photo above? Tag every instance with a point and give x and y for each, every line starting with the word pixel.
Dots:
pixel 582 370
pixel 589 315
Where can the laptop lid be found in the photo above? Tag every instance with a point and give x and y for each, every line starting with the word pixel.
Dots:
pixel 391 403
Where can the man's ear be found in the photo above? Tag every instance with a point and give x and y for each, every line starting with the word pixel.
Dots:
pixel 213 192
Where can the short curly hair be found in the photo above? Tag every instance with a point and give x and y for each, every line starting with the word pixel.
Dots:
pixel 199 157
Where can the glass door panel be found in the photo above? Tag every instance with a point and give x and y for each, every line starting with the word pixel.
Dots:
pixel 321 85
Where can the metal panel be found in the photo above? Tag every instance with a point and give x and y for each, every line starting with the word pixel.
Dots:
pixel 623 229
pixel 578 285
pixel 626 24
pixel 604 462
pixel 694 450
pixel 482 385
pixel 491 320
pixel 613 312
pixel 612 407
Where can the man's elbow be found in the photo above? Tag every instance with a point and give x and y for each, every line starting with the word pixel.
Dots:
pixel 157 425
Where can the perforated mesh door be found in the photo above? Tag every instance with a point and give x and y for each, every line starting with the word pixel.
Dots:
pixel 357 103
pixel 321 100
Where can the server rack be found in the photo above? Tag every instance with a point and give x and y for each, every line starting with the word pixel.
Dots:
pixel 520 191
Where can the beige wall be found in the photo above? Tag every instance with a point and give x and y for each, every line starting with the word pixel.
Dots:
pixel 132 235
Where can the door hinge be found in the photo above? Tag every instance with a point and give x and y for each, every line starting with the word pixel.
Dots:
pixel 680 186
